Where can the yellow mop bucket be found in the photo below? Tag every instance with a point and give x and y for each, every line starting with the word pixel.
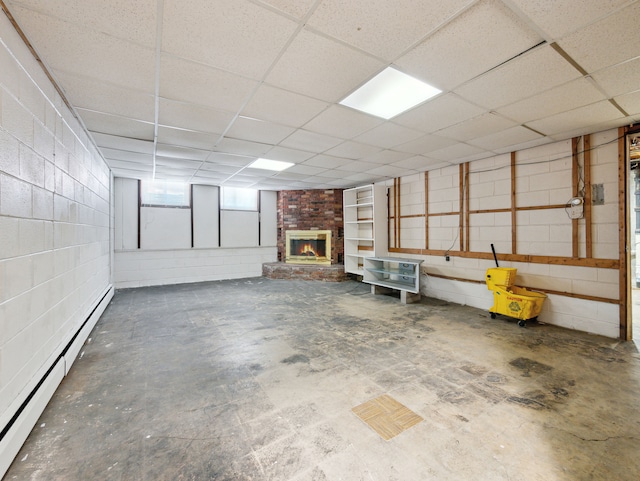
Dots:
pixel 510 300
pixel 516 302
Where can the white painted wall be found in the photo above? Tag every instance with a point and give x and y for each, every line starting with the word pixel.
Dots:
pixel 54 236
pixel 205 215
pixel 125 225
pixel 166 255
pixel 543 177
pixel 165 228
pixel 238 228
pixel 268 218
pixel 149 268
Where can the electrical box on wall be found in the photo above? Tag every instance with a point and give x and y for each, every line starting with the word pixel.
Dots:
pixel 575 208
pixel 597 194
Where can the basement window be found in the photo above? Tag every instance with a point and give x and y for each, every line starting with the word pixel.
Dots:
pixel 237 198
pixel 161 193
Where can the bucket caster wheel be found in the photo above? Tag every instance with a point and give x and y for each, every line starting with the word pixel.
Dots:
pixel 522 323
pixel 493 315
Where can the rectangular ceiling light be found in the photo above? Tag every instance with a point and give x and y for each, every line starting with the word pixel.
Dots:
pixel 268 164
pixel 390 93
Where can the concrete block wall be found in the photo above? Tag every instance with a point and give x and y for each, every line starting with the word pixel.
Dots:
pixel 166 255
pixel 543 178
pixel 412 231
pixel 54 225
pixel 149 268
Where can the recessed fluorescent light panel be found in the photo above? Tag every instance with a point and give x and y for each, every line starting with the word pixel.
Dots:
pixel 268 164
pixel 390 93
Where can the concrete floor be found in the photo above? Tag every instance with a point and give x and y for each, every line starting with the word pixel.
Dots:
pixel 256 380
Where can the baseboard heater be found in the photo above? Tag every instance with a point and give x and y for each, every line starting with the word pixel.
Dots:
pixel 25 417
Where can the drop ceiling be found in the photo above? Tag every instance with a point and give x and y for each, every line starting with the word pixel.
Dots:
pixel 196 90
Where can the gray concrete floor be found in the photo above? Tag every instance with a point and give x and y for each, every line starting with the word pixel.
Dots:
pixel 256 380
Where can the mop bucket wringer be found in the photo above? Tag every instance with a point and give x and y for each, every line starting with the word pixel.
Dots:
pixel 512 301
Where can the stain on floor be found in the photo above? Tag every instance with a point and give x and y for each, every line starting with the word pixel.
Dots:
pixel 256 380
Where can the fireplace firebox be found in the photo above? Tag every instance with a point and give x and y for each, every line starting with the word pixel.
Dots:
pixel 308 247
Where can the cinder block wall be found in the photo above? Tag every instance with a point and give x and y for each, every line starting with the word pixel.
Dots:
pixel 54 223
pixel 583 293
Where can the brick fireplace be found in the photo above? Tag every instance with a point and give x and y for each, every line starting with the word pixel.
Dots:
pixel 319 212
pixel 300 210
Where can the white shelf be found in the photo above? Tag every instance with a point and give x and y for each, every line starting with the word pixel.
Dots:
pixel 365 225
pixel 393 272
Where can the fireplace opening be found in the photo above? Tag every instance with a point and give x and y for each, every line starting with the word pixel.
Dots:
pixel 308 246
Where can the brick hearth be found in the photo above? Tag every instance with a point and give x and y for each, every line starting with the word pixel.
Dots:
pixel 281 270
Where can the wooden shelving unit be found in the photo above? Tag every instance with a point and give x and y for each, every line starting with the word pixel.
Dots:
pixel 365 225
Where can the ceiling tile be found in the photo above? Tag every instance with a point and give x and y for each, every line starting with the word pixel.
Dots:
pixel 631 103
pixel 456 153
pixel 322 68
pixel 443 111
pixel 356 166
pixel 342 122
pixel 287 108
pixel 207 178
pixel 190 82
pixel 420 163
pixel 78 50
pixel 162 161
pixel 564 16
pixel 330 174
pixel 187 138
pixel 242 147
pixel 607 125
pixel 258 131
pixel 346 183
pixel 175 152
pixel 359 178
pixel 424 144
pixel 295 8
pixel 608 42
pixel 582 117
pixel 134 21
pixel 532 73
pixel 126 156
pixel 385 157
pixel 390 171
pixel 305 169
pixel 193 116
pixel 326 161
pixel 288 155
pixel 388 135
pixel 478 127
pixel 229 159
pixel 220 169
pixel 569 96
pixel 233 182
pixel 353 150
pixel 132 166
pixel 382 28
pixel 620 79
pixel 310 141
pixel 247 37
pixel 505 138
pixel 93 94
pixel 116 125
pixel 122 143
pixel 286 175
pixel 481 38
